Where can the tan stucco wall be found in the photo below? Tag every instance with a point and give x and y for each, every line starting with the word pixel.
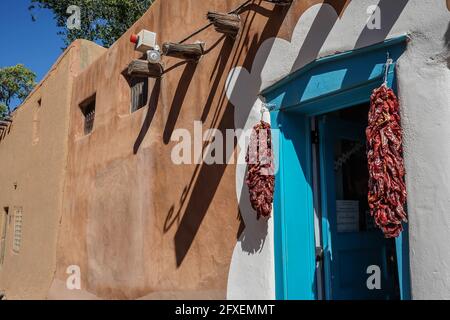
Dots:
pixel 33 157
pixel 136 224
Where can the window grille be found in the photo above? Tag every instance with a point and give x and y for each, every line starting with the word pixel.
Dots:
pixel 88 110
pixel 139 93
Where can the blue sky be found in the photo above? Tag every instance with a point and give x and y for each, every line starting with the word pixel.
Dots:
pixel 34 44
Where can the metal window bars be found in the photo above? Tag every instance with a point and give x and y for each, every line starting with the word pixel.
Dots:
pixel 89 121
pixel 139 93
pixel 88 110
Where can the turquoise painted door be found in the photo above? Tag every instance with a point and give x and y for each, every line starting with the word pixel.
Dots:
pixel 359 263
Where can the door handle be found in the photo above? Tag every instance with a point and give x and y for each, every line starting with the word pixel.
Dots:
pixel 319 254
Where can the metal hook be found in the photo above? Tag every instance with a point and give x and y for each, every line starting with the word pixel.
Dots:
pixel 263 110
pixel 266 107
pixel 389 61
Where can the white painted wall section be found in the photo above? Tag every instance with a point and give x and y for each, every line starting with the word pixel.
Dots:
pixel 424 92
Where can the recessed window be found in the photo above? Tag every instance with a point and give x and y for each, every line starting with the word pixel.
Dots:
pixel 88 111
pixel 3 229
pixel 139 93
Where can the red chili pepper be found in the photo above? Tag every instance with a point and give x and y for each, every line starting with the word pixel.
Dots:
pixel 260 176
pixel 387 190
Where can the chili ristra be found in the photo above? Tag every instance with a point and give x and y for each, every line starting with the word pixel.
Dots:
pixel 387 190
pixel 260 176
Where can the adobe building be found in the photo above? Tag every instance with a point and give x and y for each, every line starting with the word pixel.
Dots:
pixel 33 153
pixel 136 223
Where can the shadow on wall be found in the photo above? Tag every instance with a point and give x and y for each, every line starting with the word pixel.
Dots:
pixel 318 33
pixel 390 12
pixel 151 110
pixel 218 69
pixel 206 178
pixel 248 83
pixel 447 39
pixel 178 99
pixel 252 234
pixel 322 26
pixel 312 45
pixel 198 194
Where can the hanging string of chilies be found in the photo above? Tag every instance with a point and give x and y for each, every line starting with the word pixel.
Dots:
pixel 387 190
pixel 260 165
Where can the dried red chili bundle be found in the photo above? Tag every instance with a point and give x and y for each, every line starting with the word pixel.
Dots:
pixel 387 190
pixel 260 176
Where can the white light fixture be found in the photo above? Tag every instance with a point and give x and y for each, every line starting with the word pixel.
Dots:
pixel 154 55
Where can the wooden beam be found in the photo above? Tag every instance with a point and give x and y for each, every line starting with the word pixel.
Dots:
pixel 144 69
pixel 190 52
pixel 228 24
pixel 4 124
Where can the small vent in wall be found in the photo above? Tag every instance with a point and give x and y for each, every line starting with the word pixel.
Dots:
pixel 17 229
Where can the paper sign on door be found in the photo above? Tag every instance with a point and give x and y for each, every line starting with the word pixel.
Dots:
pixel 347 213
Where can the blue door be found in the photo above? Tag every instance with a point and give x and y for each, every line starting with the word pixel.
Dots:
pixel 359 263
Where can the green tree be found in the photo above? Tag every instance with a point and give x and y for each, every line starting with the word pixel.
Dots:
pixel 16 82
pixel 102 21
pixel 3 111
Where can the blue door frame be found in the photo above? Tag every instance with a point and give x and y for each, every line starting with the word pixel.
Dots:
pixel 325 85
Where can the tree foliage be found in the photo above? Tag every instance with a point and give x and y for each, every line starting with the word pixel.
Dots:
pixel 3 111
pixel 16 82
pixel 102 21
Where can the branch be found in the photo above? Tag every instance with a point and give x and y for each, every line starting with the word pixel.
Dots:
pixel 228 24
pixel 191 52
pixel 142 68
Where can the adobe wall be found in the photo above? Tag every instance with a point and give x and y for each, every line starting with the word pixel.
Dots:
pixel 32 160
pixel 140 226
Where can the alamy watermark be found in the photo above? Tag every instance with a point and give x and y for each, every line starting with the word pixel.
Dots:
pixel 74 21
pixel 213 146
pixel 374 280
pixel 374 20
pixel 73 281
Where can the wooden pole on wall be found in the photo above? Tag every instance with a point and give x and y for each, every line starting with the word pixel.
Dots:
pixel 191 52
pixel 228 24
pixel 142 68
